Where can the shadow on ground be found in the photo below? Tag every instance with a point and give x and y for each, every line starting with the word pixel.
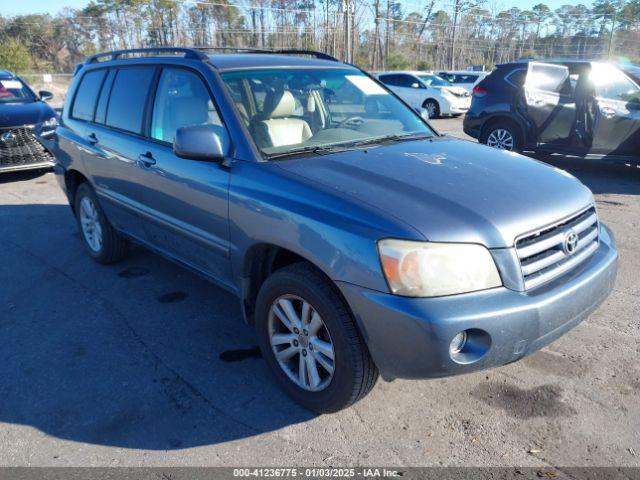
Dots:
pixel 138 355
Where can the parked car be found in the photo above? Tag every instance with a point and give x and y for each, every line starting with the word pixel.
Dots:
pixel 27 123
pixel 588 109
pixel 632 70
pixel 426 90
pixel 462 78
pixel 358 240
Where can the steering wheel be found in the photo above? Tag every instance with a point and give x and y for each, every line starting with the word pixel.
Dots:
pixel 351 122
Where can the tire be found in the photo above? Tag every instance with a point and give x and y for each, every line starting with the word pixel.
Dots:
pixel 354 373
pixel 112 247
pixel 492 136
pixel 432 107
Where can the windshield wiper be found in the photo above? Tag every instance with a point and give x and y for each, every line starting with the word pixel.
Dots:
pixel 317 149
pixel 394 138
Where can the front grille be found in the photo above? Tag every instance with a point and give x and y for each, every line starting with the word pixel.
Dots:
pixel 544 256
pixel 20 147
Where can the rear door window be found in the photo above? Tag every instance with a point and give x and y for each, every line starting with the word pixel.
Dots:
pixel 398 80
pixel 101 109
pixel 128 98
pixel 548 77
pixel 84 104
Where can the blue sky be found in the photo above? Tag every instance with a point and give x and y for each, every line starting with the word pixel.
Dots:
pixel 20 7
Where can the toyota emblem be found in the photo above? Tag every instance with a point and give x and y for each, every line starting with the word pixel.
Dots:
pixel 8 137
pixel 570 243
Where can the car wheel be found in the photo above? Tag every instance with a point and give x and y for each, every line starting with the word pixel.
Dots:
pixel 503 136
pixel 100 239
pixel 310 341
pixel 432 108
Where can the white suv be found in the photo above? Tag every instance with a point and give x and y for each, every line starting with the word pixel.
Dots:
pixel 427 90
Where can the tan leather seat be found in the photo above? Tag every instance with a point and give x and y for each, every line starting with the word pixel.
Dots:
pixel 279 127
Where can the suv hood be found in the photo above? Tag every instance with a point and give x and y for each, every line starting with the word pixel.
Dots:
pixel 451 190
pixel 19 114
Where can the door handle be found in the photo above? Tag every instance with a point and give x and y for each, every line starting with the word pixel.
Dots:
pixel 607 112
pixel 146 159
pixel 92 138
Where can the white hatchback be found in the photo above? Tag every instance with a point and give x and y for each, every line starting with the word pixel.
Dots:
pixel 427 90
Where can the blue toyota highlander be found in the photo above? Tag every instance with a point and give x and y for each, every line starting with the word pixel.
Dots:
pixel 357 238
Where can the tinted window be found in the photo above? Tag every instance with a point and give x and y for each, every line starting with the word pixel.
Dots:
pixel 101 109
pixel 612 84
pixel 517 77
pixel 398 80
pixel 128 97
pixel 181 100
pixel 462 78
pixel 85 102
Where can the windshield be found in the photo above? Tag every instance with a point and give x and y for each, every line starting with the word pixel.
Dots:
pixel 434 81
pixel 310 109
pixel 13 90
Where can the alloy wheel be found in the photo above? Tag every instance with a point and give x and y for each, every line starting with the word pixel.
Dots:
pixel 90 221
pixel 501 139
pixel 431 109
pixel 301 343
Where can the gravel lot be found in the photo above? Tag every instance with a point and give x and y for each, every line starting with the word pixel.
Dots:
pixel 143 363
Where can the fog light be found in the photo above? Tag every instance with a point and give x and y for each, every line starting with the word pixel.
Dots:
pixel 458 343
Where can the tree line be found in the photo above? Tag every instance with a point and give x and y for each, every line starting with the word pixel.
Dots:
pixel 375 34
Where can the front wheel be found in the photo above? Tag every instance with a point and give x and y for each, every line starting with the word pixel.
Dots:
pixel 101 241
pixel 310 341
pixel 432 108
pixel 503 136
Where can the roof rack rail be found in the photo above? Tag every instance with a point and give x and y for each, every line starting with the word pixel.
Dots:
pixel 285 51
pixel 233 49
pixel 115 54
pixel 313 53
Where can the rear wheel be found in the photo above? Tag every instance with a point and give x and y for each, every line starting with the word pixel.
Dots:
pixel 502 135
pixel 310 341
pixel 101 241
pixel 432 108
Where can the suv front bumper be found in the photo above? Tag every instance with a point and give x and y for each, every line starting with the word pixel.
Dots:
pixel 410 337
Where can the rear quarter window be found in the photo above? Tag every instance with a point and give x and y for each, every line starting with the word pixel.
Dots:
pixel 128 98
pixel 84 104
pixel 516 77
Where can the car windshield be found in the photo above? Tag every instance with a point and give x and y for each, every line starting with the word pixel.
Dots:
pixel 298 110
pixel 434 81
pixel 14 91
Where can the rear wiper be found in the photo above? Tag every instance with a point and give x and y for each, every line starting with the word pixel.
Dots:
pixel 393 138
pixel 317 149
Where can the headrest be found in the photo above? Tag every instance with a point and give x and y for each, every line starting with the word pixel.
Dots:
pixel 279 105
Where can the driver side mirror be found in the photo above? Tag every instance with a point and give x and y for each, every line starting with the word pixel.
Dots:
pixel 45 96
pixel 201 142
pixel 415 85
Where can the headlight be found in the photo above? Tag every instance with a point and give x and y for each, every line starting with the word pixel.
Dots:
pixel 424 269
pixel 51 123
